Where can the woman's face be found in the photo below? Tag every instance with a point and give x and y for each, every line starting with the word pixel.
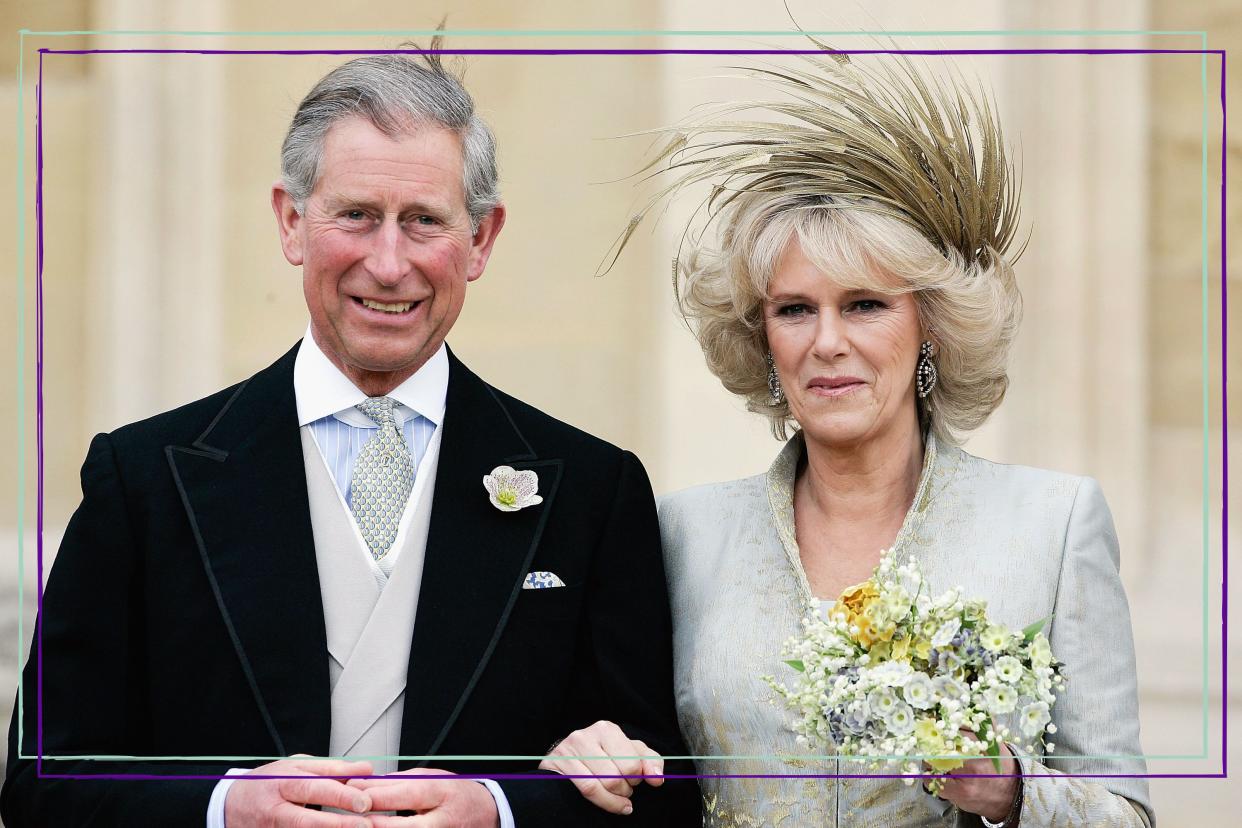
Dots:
pixel 846 358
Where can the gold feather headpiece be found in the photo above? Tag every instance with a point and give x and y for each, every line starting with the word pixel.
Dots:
pixel 927 152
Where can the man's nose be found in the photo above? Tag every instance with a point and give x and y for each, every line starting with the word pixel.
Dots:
pixel 388 262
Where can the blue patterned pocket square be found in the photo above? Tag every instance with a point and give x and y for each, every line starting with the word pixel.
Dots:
pixel 542 580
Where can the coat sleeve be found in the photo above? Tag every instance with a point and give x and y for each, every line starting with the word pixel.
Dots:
pixel 628 678
pixel 81 693
pixel 1096 715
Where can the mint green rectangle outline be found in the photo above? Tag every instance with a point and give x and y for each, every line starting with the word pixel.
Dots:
pixel 21 252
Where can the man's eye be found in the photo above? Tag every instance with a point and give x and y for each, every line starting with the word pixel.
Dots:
pixel 355 215
pixel 425 220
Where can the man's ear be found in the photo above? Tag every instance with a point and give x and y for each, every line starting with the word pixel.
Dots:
pixel 484 238
pixel 288 223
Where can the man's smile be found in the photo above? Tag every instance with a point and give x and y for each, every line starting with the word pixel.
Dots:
pixel 390 308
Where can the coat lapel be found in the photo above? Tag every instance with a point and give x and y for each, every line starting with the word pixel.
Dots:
pixel 243 485
pixel 477 557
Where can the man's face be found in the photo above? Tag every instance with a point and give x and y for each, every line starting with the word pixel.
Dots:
pixel 386 248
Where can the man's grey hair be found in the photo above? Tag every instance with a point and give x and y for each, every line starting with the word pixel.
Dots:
pixel 397 93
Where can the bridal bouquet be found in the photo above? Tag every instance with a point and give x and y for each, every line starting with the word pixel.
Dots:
pixel 897 675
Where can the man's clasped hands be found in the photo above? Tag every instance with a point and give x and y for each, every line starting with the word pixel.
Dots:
pixel 604 763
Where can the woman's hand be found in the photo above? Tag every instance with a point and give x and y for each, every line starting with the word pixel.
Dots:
pixel 622 758
pixel 977 788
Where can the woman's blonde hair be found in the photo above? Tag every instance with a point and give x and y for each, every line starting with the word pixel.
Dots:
pixel 889 179
pixel 971 308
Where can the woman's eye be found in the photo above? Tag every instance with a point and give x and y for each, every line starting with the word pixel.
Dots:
pixel 867 305
pixel 797 309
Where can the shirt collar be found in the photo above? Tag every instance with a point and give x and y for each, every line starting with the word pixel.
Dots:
pixel 323 391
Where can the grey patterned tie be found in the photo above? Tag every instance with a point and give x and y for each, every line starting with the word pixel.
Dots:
pixel 383 478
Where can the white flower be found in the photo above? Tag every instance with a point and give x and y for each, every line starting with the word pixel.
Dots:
pixel 994 638
pixel 1000 699
pixel 1033 718
pixel 910 579
pixel 896 602
pixel 882 700
pixel 856 717
pixel 891 673
pixel 919 692
pixel 510 490
pixel 1008 669
pixel 948 688
pixel 946 632
pixel 1041 654
pixel 949 663
pixel 900 720
pixel 949 599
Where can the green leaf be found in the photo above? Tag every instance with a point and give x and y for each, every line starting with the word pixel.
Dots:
pixel 989 736
pixel 1029 632
pixel 994 752
pixel 797 665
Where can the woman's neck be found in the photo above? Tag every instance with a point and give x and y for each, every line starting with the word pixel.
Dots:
pixel 868 483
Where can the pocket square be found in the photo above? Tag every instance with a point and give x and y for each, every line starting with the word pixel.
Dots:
pixel 542 580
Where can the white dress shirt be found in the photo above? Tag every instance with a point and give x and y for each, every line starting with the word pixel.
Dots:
pixel 326 401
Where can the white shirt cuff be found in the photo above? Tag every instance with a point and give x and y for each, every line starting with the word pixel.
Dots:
pixel 215 807
pixel 493 787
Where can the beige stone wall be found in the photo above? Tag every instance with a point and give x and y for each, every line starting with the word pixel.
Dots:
pixel 163 280
pixel 1175 398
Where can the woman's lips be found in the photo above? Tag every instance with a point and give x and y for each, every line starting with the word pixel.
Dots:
pixel 838 387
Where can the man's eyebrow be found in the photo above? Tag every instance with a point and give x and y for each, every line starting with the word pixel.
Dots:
pixel 338 201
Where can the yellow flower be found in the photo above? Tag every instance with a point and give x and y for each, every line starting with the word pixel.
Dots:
pixel 852 606
pixel 879 630
pixel 856 599
pixel 945 765
pixel 867 634
pixel 929 738
pixel 922 648
pixel 901 648
pixel 931 743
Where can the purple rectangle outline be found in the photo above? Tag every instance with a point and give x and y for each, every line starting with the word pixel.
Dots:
pixel 39 370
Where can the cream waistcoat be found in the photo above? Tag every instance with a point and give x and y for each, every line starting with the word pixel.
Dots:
pixel 369 625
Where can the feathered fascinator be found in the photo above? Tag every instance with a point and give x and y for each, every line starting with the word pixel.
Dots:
pixel 926 152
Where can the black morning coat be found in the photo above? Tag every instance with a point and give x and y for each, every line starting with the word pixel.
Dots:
pixel 183 614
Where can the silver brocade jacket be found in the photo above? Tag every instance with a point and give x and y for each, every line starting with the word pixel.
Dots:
pixel 1032 543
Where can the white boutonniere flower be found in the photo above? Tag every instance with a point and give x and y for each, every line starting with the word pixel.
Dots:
pixel 510 490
